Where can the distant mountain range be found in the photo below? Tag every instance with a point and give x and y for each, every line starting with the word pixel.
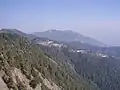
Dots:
pixel 68 36
pixel 58 35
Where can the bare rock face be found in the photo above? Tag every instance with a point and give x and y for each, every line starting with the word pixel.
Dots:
pixel 48 83
pixel 3 86
pixel 19 80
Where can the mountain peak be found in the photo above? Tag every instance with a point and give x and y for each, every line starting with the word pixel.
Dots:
pixel 68 36
pixel 6 30
pixel 57 30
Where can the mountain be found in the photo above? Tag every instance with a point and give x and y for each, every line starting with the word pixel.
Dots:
pixel 75 40
pixel 103 70
pixel 112 50
pixel 46 64
pixel 100 68
pixel 68 36
pixel 15 31
pixel 25 66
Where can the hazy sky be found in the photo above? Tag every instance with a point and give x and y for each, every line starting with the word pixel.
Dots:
pixel 95 18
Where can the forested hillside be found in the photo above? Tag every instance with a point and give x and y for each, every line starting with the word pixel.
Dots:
pixel 104 71
pixel 109 50
pixel 24 66
pixel 45 64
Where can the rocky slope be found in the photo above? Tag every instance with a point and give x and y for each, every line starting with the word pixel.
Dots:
pixel 45 64
pixel 23 66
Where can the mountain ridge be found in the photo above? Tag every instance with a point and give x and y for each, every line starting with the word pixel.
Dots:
pixel 26 67
pixel 68 36
pixel 68 67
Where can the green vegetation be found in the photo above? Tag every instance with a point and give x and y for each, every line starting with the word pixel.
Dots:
pixel 68 70
pixel 104 71
pixel 17 51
